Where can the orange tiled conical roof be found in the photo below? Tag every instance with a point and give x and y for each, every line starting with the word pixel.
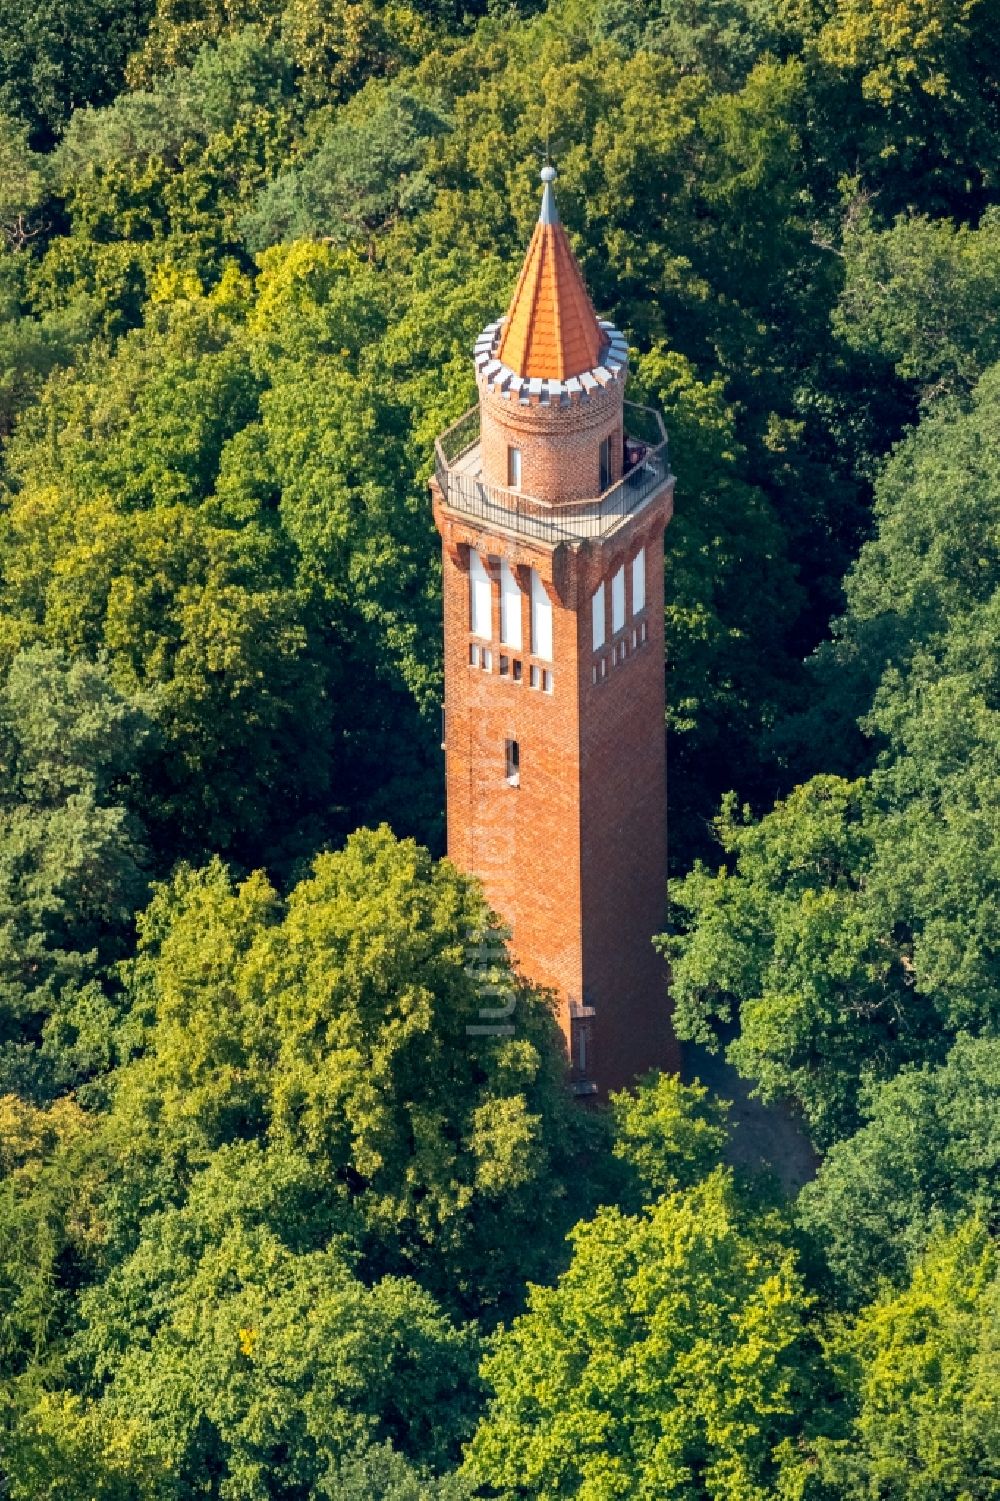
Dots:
pixel 552 332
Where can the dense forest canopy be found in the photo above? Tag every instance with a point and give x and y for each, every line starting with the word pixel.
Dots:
pixel 271 1227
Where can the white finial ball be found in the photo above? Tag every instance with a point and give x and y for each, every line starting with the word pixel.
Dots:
pixel 548 173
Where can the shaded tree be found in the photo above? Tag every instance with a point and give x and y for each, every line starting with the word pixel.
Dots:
pixel 929 1151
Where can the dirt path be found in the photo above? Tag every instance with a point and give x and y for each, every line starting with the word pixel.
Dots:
pixel 762 1136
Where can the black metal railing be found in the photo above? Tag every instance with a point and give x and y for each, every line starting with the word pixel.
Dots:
pixel 461 436
pixel 464 490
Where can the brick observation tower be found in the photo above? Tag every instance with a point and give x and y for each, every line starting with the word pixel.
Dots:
pixel 551 497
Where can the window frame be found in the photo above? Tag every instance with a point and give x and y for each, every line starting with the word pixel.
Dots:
pixel 639 582
pixel 512 762
pixel 606 462
pixel 618 600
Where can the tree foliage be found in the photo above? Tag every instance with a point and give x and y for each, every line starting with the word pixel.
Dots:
pixel 262 1192
pixel 929 1152
pixel 352 1023
pixel 668 1360
pixel 856 928
pixel 918 1369
pixel 72 858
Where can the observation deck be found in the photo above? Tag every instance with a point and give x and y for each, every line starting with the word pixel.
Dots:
pixel 459 476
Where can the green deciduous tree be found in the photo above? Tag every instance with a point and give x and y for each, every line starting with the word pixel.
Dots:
pixel 69 1449
pixel 262 1362
pixel 234 1349
pixel 929 1150
pixel 364 173
pixel 352 1023
pixel 793 938
pixel 71 851
pixel 382 1472
pixel 669 1135
pixel 55 56
pixel 855 928
pixel 236 513
pixel 669 1360
pixel 52 1226
pixel 918 1369
pixel 912 86
pixel 925 294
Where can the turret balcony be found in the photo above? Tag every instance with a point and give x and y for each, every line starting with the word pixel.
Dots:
pixel 645 471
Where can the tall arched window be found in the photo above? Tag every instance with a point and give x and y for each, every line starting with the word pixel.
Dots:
pixel 480 603
pixel 541 620
pixel 510 607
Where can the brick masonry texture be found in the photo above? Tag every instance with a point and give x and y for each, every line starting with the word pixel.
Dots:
pixel 560 445
pixel 574 857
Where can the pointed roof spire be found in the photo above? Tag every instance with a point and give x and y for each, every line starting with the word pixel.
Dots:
pixel 552 332
pixel 549 213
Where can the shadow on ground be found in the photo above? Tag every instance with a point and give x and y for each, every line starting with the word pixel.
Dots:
pixel 762 1137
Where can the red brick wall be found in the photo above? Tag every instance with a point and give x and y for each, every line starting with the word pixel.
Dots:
pixel 523 842
pixel 574 858
pixel 623 819
pixel 560 444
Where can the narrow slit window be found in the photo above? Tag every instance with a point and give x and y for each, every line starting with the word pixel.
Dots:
pixel 606 470
pixel 512 753
pixel 597 609
pixel 514 468
pixel 618 601
pixel 480 597
pixel 510 607
pixel 639 581
pixel 541 620
pixel 517 672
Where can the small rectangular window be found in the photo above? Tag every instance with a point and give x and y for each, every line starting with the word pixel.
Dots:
pixel 597 612
pixel 514 468
pixel 618 601
pixel 487 659
pixel 474 655
pixel 639 581
pixel 504 666
pixel 546 681
pixel 517 672
pixel 606 470
pixel 535 676
pixel 513 760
